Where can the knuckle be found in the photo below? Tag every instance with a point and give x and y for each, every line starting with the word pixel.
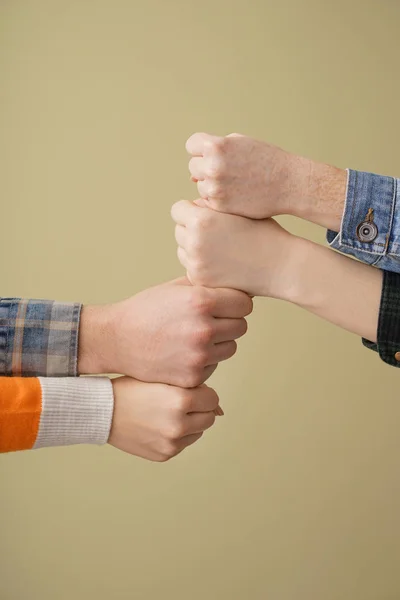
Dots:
pixel 168 451
pixel 215 190
pixel 201 299
pixel 174 431
pixel 187 380
pixel 217 145
pixel 199 357
pixel 183 400
pixel 202 220
pixel 204 335
pixel 196 245
pixel 195 377
pixel 214 168
pixel 162 457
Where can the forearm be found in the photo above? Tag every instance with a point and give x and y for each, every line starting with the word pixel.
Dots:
pixel 95 337
pixel 336 288
pixel 318 192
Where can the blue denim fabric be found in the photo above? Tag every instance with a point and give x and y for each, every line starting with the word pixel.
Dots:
pixel 382 194
pixel 38 338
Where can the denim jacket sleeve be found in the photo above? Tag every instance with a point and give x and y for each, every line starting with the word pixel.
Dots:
pixel 370 229
pixel 38 338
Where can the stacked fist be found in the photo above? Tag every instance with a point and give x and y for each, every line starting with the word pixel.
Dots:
pixel 226 238
pixel 169 339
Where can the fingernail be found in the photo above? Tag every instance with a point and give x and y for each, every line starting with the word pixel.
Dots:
pixel 219 412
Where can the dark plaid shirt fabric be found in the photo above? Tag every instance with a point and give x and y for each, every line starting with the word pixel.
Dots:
pixel 38 338
pixel 388 337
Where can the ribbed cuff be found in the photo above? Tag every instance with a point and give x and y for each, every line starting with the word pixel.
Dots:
pixel 75 411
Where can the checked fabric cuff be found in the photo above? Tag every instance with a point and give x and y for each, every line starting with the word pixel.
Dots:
pixel 38 338
pixel 388 335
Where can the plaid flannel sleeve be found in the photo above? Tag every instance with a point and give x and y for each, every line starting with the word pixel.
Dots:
pixel 388 335
pixel 38 338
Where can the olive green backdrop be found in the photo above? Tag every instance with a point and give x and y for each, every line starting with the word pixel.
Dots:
pixel 295 495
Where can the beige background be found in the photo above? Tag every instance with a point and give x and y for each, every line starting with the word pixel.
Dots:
pixel 295 495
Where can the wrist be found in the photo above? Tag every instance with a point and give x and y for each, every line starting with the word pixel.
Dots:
pixel 292 274
pixel 289 265
pixel 314 277
pixel 338 289
pixel 301 292
pixel 319 192
pixel 96 332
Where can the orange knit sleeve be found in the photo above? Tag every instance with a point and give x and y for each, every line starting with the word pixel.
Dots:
pixel 20 410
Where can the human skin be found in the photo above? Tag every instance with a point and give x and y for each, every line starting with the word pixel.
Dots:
pixel 157 421
pixel 261 258
pixel 239 175
pixel 173 333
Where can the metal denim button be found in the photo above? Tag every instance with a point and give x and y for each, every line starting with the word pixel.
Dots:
pixel 367 231
pixel 397 356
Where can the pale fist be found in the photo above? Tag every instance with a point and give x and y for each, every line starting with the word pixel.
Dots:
pixel 220 250
pixel 173 333
pixel 156 421
pixel 239 175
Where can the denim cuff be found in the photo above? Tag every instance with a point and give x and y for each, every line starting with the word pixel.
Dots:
pixel 38 338
pixel 388 334
pixel 370 229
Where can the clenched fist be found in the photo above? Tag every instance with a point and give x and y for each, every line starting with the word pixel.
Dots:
pixel 172 333
pixel 220 250
pixel 243 176
pixel 156 421
pixel 239 175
